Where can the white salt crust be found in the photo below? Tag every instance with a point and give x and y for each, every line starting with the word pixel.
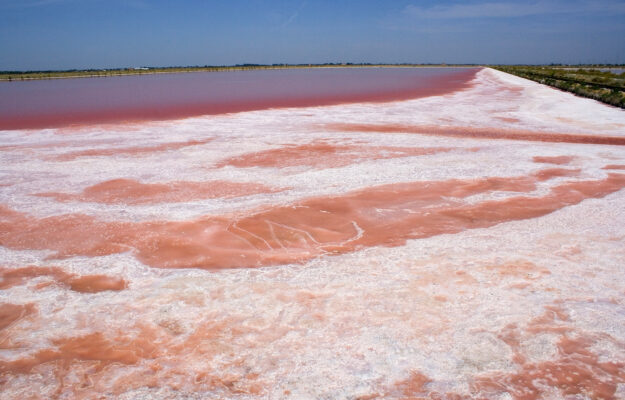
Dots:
pixel 336 327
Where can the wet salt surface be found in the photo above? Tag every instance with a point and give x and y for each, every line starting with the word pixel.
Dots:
pixel 371 263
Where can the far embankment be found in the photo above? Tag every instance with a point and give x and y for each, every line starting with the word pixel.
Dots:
pixel 604 84
pixel 71 102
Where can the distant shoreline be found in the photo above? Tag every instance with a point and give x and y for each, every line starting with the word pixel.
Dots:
pixel 8 76
pixel 102 73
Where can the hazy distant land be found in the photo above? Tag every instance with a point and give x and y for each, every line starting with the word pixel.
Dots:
pixel 90 73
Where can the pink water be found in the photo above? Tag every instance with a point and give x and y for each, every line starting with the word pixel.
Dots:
pixel 62 102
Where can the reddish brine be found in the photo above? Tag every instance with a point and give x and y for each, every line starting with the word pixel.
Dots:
pixel 67 102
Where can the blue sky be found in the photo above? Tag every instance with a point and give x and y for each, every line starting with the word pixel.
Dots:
pixel 63 34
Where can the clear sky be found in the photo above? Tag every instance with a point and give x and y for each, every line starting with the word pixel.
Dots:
pixel 63 34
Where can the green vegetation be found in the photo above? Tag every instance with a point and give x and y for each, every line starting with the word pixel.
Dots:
pixel 89 73
pixel 606 87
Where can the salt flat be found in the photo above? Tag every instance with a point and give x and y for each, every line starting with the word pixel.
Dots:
pixel 463 245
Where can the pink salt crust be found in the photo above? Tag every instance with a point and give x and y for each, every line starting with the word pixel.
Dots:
pixel 462 242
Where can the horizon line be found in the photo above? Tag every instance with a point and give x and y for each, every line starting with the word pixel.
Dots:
pixel 138 69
